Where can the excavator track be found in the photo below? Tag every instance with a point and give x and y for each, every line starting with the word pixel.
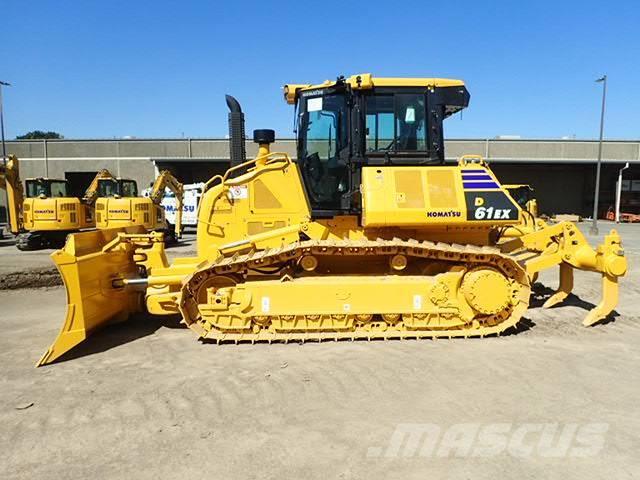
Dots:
pixel 214 283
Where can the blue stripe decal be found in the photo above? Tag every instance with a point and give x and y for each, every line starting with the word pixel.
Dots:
pixel 474 170
pixel 480 185
pixel 476 177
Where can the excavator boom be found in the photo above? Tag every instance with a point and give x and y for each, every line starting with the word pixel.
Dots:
pixel 11 179
pixel 167 180
pixel 91 193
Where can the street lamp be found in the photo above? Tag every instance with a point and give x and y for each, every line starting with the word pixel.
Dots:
pixel 594 227
pixel 4 147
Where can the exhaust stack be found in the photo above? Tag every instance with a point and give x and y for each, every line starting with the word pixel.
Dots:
pixel 236 132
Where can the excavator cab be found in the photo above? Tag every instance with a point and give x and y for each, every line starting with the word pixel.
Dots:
pixel 117 187
pixel 46 188
pixel 48 213
pixel 119 205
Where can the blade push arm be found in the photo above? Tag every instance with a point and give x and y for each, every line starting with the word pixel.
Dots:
pixel 167 180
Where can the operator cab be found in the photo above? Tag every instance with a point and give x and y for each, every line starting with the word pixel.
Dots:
pixel 117 187
pixel 46 188
pixel 344 125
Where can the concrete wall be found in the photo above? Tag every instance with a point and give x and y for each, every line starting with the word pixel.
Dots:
pixel 496 150
pixel 562 171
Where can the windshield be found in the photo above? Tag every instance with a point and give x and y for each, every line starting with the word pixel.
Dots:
pixel 123 188
pixel 48 188
pixel 129 188
pixel 322 136
pixel 396 122
pixel 107 188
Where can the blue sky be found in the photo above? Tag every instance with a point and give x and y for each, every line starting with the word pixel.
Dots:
pixel 161 69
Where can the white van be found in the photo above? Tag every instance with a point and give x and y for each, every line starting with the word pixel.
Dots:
pixel 192 194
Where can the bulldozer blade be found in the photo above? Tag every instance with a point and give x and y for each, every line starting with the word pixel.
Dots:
pixel 93 301
pixel 608 302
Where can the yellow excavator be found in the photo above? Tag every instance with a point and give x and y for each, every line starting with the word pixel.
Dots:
pixel 368 234
pixel 118 205
pixel 46 214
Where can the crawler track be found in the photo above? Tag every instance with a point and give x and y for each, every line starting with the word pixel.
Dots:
pixel 284 261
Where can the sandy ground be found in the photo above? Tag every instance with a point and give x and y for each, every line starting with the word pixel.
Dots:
pixel 145 399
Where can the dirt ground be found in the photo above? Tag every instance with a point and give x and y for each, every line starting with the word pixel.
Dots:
pixel 145 399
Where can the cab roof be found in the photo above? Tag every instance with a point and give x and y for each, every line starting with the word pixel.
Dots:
pixel 365 81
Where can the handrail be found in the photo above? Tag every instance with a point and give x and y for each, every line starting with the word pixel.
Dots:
pixel 265 160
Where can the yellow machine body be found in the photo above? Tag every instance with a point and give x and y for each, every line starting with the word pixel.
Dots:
pixel 44 215
pixel 122 208
pixel 427 198
pixel 128 212
pixel 47 214
pixel 420 251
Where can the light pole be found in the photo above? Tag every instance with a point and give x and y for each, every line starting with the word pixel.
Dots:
pixel 619 191
pixel 4 147
pixel 594 227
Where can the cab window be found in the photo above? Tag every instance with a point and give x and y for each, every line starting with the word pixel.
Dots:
pixel 48 188
pixel 322 138
pixel 129 188
pixel 107 188
pixel 58 189
pixel 396 123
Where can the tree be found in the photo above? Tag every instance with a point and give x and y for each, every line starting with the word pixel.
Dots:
pixel 39 135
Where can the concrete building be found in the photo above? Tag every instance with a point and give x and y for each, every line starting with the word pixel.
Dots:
pixel 561 171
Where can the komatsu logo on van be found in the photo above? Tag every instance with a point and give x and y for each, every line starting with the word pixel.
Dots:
pixel 185 208
pixel 445 214
pixel 44 211
pixel 119 211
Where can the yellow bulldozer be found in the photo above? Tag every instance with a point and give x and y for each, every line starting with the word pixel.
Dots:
pixel 118 205
pixel 368 234
pixel 46 214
